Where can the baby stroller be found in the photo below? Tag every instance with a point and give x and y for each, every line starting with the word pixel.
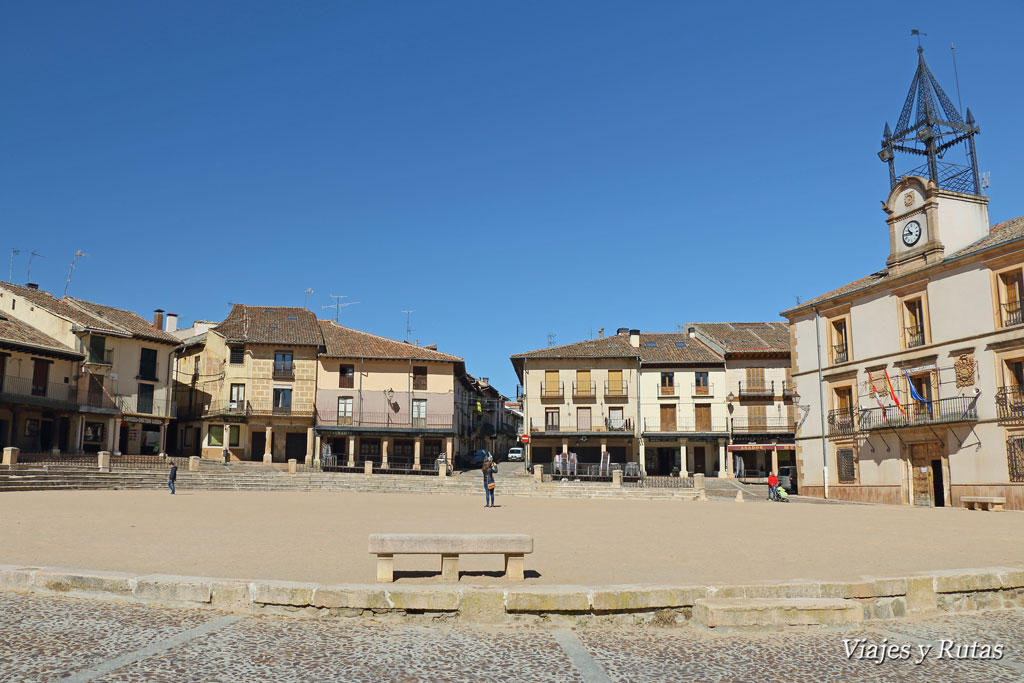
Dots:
pixel 780 495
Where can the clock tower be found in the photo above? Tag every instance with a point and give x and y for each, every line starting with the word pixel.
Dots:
pixel 936 208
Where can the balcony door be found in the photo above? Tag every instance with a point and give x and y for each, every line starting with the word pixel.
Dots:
pixel 755 379
pixel 551 383
pixel 583 419
pixel 551 420
pixel 668 417
pixel 237 400
pixel 95 390
pixel 615 382
pixel 40 376
pixel 615 419
pixel 702 416
pixel 145 402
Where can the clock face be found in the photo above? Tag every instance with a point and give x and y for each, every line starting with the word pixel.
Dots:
pixel 911 233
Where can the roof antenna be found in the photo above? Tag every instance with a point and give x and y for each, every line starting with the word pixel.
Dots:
pixel 78 254
pixel 915 32
pixel 408 318
pixel 956 74
pixel 337 305
pixel 10 275
pixel 305 299
pixel 28 274
pixel 551 338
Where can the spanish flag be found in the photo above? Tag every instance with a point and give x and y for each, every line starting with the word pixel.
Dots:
pixel 893 393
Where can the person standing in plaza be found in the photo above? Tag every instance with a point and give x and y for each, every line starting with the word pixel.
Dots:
pixel 172 476
pixel 489 468
pixel 773 485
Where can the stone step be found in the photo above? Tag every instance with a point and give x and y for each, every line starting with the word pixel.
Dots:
pixel 763 613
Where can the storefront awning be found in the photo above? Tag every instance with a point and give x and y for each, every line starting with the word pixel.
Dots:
pixel 762 447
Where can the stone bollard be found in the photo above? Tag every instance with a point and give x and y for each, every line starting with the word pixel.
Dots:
pixel 698 481
pixel 538 473
pixel 368 467
pixel 193 463
pixel 739 496
pixel 617 478
pixel 268 458
pixel 293 466
pixel 442 469
pixel 11 455
pixel 103 461
pixel 54 451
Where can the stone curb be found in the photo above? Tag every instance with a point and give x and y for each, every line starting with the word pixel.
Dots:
pixel 875 597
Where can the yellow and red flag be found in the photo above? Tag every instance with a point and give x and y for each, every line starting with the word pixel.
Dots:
pixel 892 392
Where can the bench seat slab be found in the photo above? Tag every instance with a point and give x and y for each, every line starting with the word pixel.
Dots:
pixel 455 544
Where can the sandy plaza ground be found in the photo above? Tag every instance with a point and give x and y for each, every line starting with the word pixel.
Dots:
pixel 323 536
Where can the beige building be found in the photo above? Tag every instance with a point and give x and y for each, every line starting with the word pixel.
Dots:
pixel 123 388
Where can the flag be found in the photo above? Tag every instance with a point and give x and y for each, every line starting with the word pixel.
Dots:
pixel 892 392
pixel 913 391
pixel 874 392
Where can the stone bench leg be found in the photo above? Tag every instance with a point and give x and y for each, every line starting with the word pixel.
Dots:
pixel 449 567
pixel 385 568
pixel 996 507
pixel 514 567
pixel 969 505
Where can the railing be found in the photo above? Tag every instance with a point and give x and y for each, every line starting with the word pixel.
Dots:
pixel 106 357
pixel 99 399
pixel 616 390
pixel 295 409
pixel 667 390
pixel 715 425
pixel 915 336
pixel 385 420
pixel 45 392
pixel 761 389
pixel 284 370
pixel 938 411
pixel 662 482
pixel 552 390
pixel 397 464
pixel 568 425
pixel 840 354
pixel 766 425
pixel 788 389
pixel 1012 314
pixel 140 405
pixel 584 389
pixel 1010 404
pixel 228 408
pixel 146 462
pixel 702 390
pixel 67 459
pixel 841 422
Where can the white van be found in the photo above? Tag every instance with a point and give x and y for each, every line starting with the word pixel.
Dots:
pixel 515 454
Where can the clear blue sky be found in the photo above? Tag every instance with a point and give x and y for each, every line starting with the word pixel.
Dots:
pixel 506 169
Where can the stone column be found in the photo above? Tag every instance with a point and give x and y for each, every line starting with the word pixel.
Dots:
pixel 728 462
pixel 351 451
pixel 775 460
pixel 267 455
pixel 721 460
pixel 643 457
pixel 416 449
pixel 384 453
pixel 117 436
pixel 682 460
pixel 529 455
pixel 310 447
pixel 163 439
pixel 110 434
pixel 225 443
pixel 451 455
pixel 317 451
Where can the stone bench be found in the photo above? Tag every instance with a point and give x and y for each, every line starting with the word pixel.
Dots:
pixel 994 503
pixel 449 547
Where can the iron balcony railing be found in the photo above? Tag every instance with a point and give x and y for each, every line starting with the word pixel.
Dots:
pixel 788 389
pixel 1010 404
pixel 42 392
pixel 1012 314
pixel 384 420
pixel 554 390
pixel 284 370
pixel 702 390
pixel 937 411
pixel 766 425
pixel 228 408
pixel 104 357
pixel 566 425
pixel 842 422
pixel 584 389
pixel 759 389
pixel 915 336
pixel 269 408
pixel 840 354
pixel 714 425
pixel 616 390
pixel 144 405
pixel 667 390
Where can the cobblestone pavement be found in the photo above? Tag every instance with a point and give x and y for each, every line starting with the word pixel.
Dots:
pixel 55 638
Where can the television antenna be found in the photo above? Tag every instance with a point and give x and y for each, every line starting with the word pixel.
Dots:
pixel 10 275
pixel 74 261
pixel 338 305
pixel 551 338
pixel 305 299
pixel 986 179
pixel 408 320
pixel 28 274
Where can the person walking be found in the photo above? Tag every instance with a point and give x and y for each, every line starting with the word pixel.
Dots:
pixel 489 468
pixel 773 486
pixel 172 476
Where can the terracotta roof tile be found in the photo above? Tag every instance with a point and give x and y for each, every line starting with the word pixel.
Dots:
pixel 130 322
pixel 14 332
pixel 45 300
pixel 769 337
pixel 665 349
pixel 616 346
pixel 270 325
pixel 344 342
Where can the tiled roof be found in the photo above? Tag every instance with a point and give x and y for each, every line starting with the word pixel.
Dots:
pixel 130 322
pixel 765 337
pixel 14 332
pixel 665 349
pixel 344 342
pixel 617 346
pixel 51 303
pixel 1000 233
pixel 270 325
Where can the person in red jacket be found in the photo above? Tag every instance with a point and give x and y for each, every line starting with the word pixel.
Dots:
pixel 773 485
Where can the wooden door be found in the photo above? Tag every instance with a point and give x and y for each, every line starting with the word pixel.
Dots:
pixel 699 460
pixel 702 414
pixel 40 376
pixel 615 382
pixel 551 383
pixel 922 478
pixel 755 379
pixel 583 387
pixel 668 417
pixel 757 418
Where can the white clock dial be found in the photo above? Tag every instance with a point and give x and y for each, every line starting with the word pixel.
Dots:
pixel 911 233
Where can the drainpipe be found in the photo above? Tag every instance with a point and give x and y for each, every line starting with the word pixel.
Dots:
pixel 408 381
pixel 361 360
pixel 638 429
pixel 821 403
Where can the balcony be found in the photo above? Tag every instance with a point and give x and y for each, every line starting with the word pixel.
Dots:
pixel 788 389
pixel 1012 314
pixel 842 422
pixel 25 390
pixel 767 425
pixel 840 354
pixel 757 389
pixel 616 391
pixel 702 390
pixel 1010 405
pixel 134 404
pixel 714 425
pixel 552 391
pixel 596 425
pixel 294 409
pixel 384 420
pixel 227 408
pixel 105 357
pixel 915 336
pixel 284 370
pixel 667 390
pixel 939 411
pixel 584 390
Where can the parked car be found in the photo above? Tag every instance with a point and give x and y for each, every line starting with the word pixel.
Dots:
pixel 475 460
pixel 787 478
pixel 514 454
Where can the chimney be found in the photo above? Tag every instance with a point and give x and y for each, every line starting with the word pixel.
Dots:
pixel 692 331
pixel 600 333
pixel 32 285
pixel 485 381
pixel 634 338
pixel 172 322
pixel 622 330
pixel 158 318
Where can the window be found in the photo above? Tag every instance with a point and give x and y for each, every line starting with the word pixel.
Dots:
pixel 419 412
pixel 840 350
pixel 651 345
pixel 583 419
pixel 145 402
pixel 283 361
pixel 282 398
pixel 1015 458
pixel 755 380
pixel 147 365
pixel 369 446
pixel 584 387
pixel 237 355
pixel 97 349
pixel 700 383
pixel 347 377
pixel 404 449
pixel 551 386
pixel 615 421
pixel 668 382
pixel 344 410
pixel 846 466
pixel 551 420
pixel 215 437
pixel 419 378
pixel 913 315
pixel 757 416
pixel 237 401
pixel 923 385
pixel 94 431
pixel 1010 298
pixel 615 384
pixel 234 433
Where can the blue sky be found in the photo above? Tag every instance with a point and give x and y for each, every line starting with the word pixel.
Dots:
pixel 506 169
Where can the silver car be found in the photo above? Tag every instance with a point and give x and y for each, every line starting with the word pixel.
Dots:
pixel 787 478
pixel 515 454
